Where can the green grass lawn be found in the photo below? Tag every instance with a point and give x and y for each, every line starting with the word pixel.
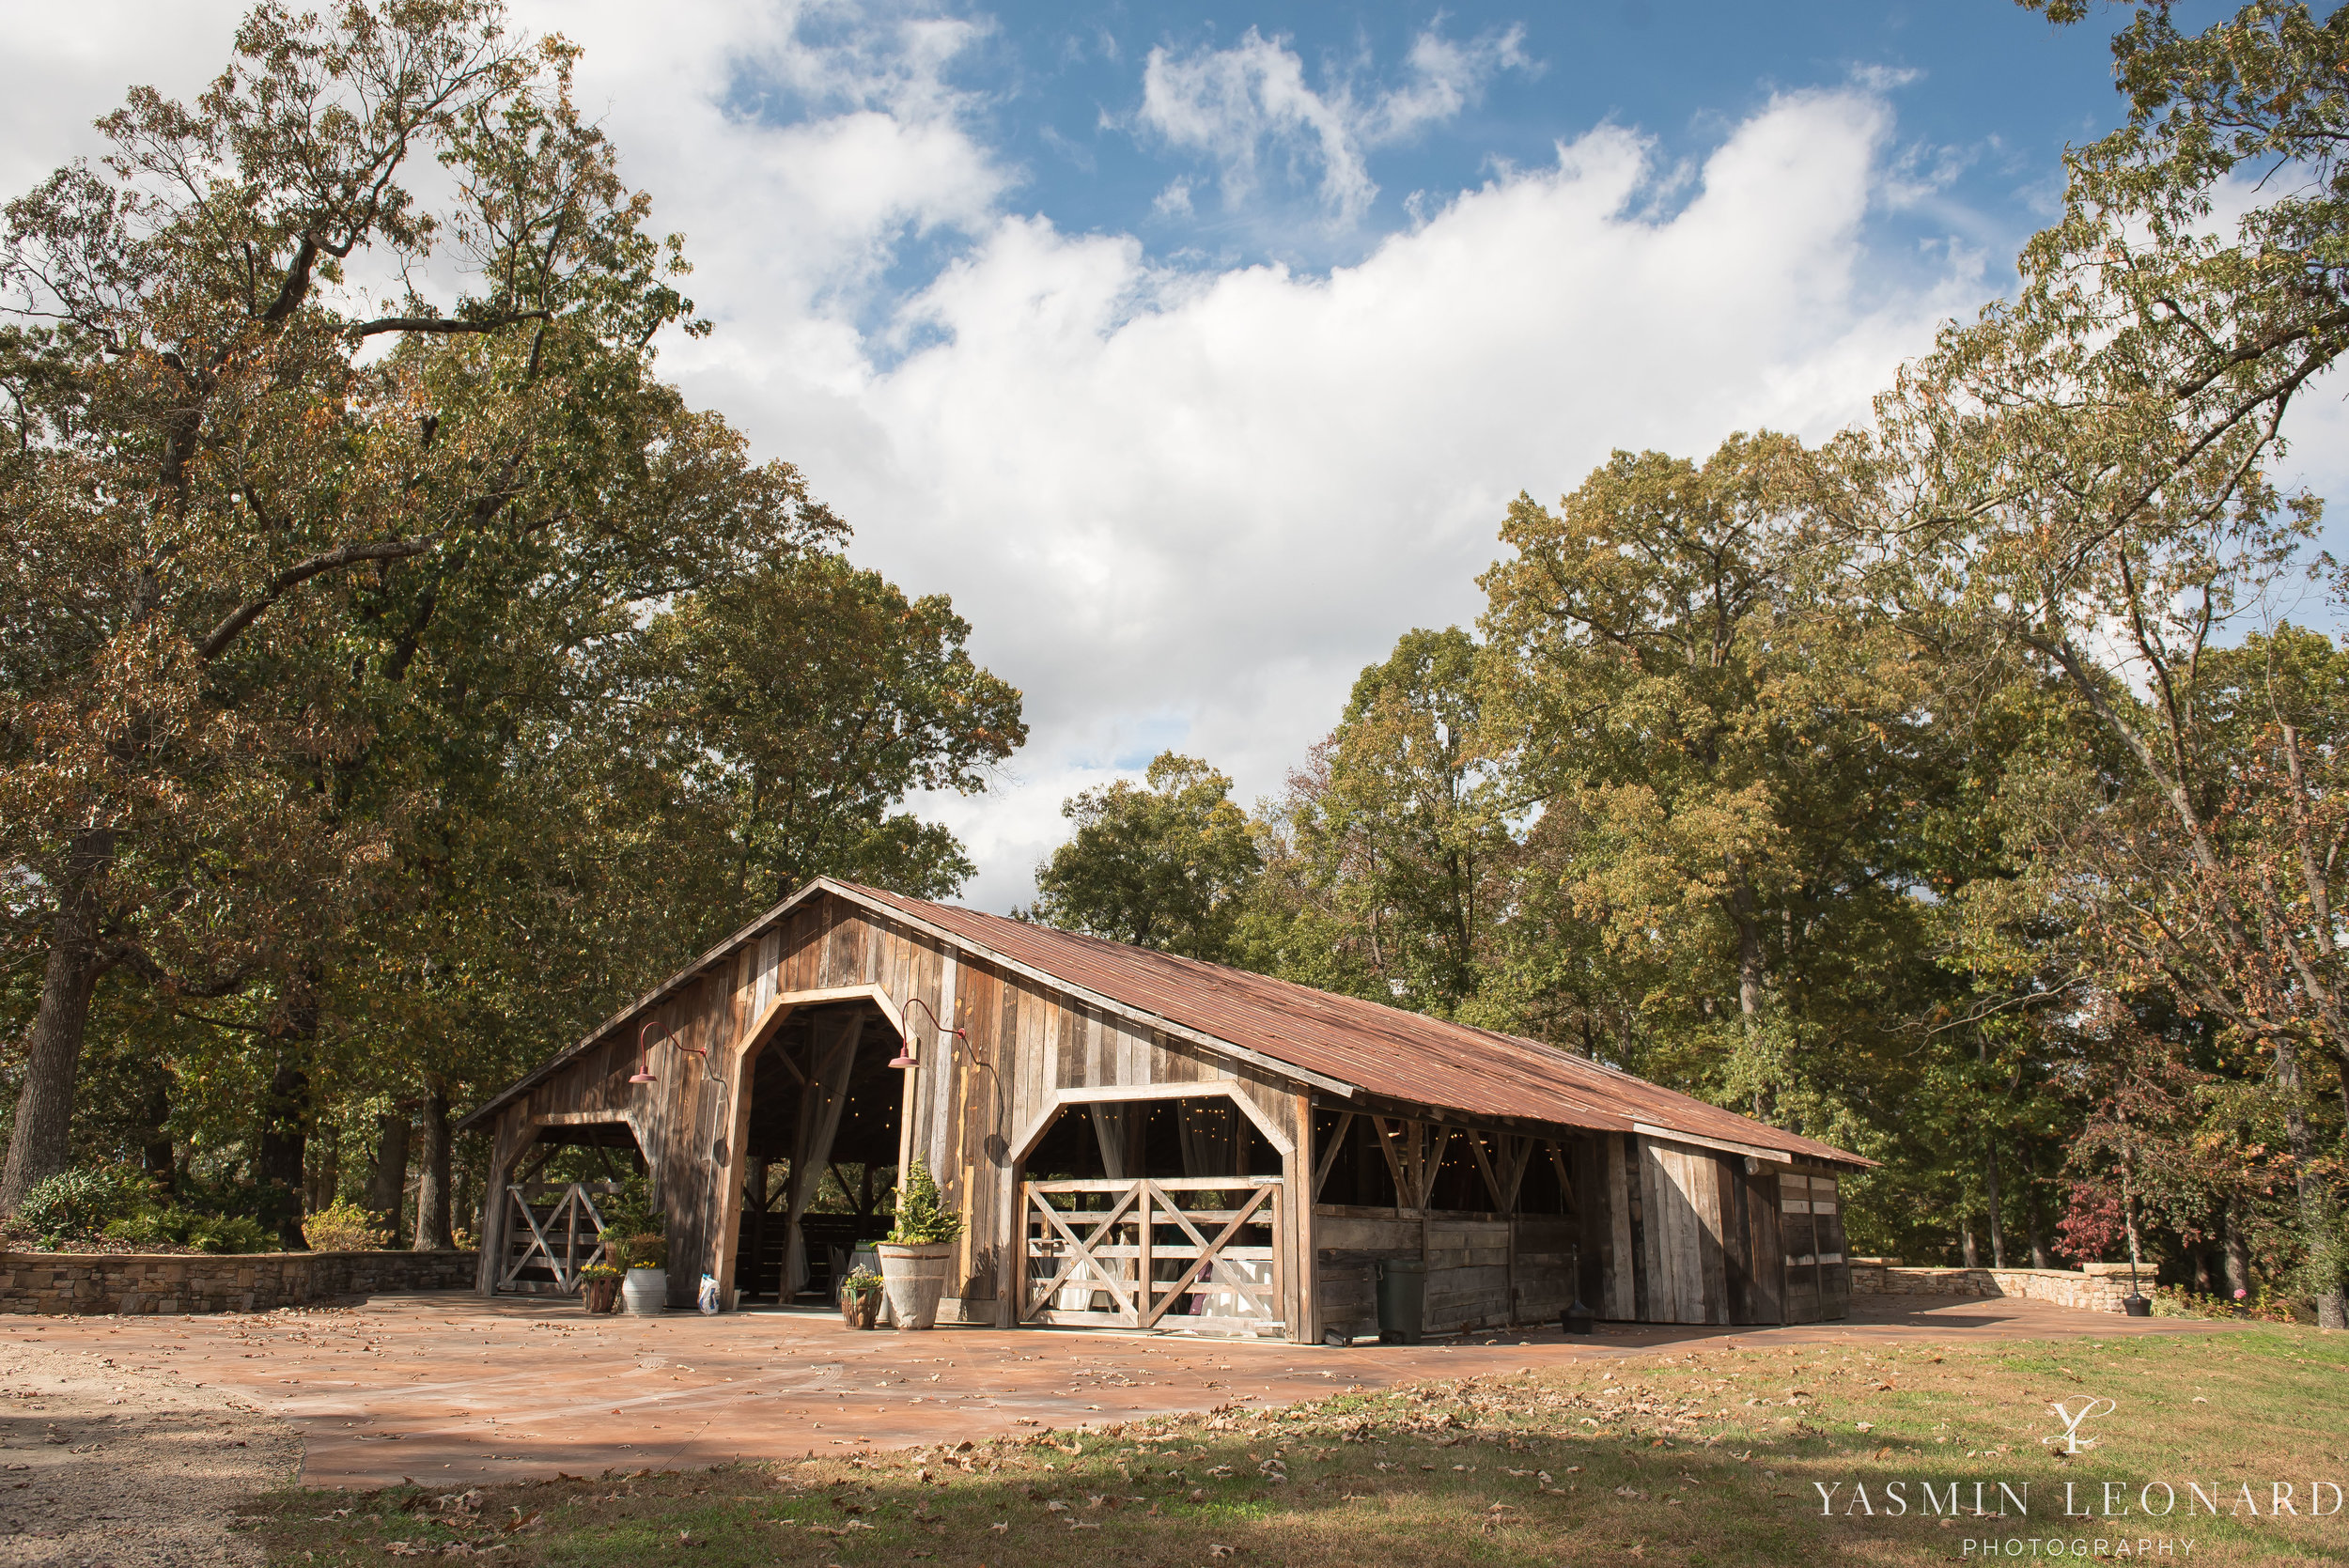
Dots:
pixel 1711 1459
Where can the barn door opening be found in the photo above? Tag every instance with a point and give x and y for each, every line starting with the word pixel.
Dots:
pixel 1165 1213
pixel 552 1207
pixel 1818 1280
pixel 820 1166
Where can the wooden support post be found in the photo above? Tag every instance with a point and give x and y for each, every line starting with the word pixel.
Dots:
pixel 1145 1303
pixel 758 1227
pixel 1305 1178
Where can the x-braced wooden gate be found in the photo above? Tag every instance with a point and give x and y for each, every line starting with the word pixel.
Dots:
pixel 1199 1253
pixel 557 1230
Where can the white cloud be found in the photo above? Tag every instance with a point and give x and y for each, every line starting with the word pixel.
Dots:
pixel 63 66
pixel 1250 101
pixel 1214 498
pixel 1185 506
pixel 1447 76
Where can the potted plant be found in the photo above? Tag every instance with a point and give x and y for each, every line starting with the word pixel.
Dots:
pixel 646 1287
pixel 861 1298
pixel 600 1286
pixel 915 1257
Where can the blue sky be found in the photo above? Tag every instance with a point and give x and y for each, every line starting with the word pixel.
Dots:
pixel 1991 91
pixel 1196 351
pixel 1988 96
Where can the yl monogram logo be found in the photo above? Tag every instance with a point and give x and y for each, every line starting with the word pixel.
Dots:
pixel 2071 1440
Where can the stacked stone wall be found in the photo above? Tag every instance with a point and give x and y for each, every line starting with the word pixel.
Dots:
pixel 2096 1287
pixel 136 1284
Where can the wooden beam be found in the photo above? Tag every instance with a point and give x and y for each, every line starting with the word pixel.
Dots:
pixel 1433 1163
pixel 1752 1151
pixel 1330 1154
pixel 1296 1217
pixel 1566 1183
pixel 1394 1160
pixel 547 1152
pixel 1032 1134
pixel 1519 1149
pixel 1484 1169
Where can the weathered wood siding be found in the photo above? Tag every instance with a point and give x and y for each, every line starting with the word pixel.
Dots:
pixel 1707 1241
pixel 1483 1271
pixel 1681 1249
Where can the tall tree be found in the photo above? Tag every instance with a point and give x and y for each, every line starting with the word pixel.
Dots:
pixel 1167 863
pixel 2083 478
pixel 232 521
pixel 1385 859
pixel 1725 746
pixel 794 707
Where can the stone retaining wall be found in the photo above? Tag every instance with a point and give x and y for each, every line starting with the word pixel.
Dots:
pixel 2096 1288
pixel 136 1284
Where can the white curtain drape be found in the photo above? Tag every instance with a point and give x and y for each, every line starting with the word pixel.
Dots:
pixel 821 1101
pixel 1211 1136
pixel 1117 1126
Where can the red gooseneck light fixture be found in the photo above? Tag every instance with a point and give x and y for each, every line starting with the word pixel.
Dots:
pixel 903 1059
pixel 644 1062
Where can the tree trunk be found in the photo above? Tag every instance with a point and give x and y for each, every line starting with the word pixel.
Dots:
pixel 1997 1226
pixel 387 1177
pixel 2332 1305
pixel 277 1155
pixel 155 1153
pixel 432 1186
pixel 2237 1253
pixel 2039 1257
pixel 1967 1252
pixel 322 1184
pixel 42 1142
pixel 1745 911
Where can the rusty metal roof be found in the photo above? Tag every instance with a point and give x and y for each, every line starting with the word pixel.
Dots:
pixel 1335 1042
pixel 1381 1051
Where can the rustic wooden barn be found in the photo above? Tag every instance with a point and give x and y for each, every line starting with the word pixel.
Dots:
pixel 1145 1141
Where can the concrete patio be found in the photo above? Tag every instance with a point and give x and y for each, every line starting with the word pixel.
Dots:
pixel 451 1388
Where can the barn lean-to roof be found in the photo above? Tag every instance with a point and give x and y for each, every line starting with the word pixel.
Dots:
pixel 1343 1045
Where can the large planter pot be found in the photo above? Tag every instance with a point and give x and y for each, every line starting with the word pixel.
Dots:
pixel 647 1291
pixel 601 1295
pixel 916 1280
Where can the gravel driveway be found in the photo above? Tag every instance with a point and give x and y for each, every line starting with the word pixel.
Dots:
pixel 106 1462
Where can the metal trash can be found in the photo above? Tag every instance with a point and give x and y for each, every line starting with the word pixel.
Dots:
pixel 1402 1299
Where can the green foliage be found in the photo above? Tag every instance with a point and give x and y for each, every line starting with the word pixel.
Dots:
pixel 794 705
pixel 227 1234
pixel 1386 858
pixel 646 1250
pixel 79 1204
pixel 602 1271
pixel 343 1226
pixel 2262 1306
pixel 476 678
pixel 861 1281
pixel 630 1212
pixel 923 1217
pixel 1166 864
pixel 208 1233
